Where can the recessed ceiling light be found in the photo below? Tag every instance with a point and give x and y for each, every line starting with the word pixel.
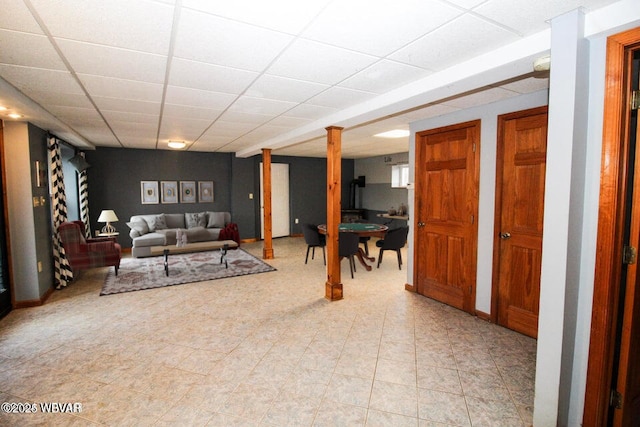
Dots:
pixel 177 144
pixel 396 133
pixel 15 115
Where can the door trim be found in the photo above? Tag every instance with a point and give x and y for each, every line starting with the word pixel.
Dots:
pixel 613 175
pixel 498 202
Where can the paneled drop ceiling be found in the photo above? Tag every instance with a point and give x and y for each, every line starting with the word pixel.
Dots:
pixel 235 76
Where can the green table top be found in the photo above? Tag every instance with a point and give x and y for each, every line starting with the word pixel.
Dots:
pixel 357 227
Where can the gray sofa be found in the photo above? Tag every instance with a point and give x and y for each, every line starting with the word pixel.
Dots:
pixel 160 229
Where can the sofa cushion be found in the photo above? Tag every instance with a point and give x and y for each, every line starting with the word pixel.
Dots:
pixel 216 220
pixel 151 239
pixel 195 220
pixel 157 222
pixel 138 228
pixel 175 220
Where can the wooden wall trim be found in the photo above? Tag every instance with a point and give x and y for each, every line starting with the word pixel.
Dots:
pixel 34 302
pixel 613 177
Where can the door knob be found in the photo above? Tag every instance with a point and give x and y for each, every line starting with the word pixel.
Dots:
pixel 505 236
pixel 421 224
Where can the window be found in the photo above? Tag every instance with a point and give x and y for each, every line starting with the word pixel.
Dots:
pixel 399 176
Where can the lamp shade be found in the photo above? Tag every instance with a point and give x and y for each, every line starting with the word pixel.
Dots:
pixel 108 216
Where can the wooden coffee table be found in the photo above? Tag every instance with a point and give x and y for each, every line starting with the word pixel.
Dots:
pixel 223 245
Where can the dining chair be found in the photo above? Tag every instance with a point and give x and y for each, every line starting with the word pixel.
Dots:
pixel 314 240
pixel 348 247
pixel 394 240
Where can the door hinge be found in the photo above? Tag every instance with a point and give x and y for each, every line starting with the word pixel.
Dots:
pixel 474 147
pixel 629 255
pixel 635 100
pixel 616 399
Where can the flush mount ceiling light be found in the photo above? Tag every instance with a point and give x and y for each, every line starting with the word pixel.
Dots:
pixel 396 133
pixel 15 115
pixel 177 144
pixel 3 108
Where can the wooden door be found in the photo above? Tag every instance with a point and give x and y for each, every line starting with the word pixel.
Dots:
pixel 626 370
pixel 446 230
pixel 520 178
pixel 612 394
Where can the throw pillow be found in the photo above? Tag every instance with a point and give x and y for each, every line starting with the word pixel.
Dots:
pixel 139 227
pixel 216 220
pixel 193 220
pixel 157 223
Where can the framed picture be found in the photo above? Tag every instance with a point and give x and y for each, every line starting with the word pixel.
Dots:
pixel 187 191
pixel 149 192
pixel 205 191
pixel 169 192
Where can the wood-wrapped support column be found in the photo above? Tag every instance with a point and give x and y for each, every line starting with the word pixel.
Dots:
pixel 333 286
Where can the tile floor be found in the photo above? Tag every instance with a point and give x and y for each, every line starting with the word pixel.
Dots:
pixel 264 350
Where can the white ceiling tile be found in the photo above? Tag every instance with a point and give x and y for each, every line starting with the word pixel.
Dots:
pixel 467 4
pixel 185 111
pixel 307 111
pixel 228 43
pixel 529 85
pixel 289 122
pixel 110 87
pixel 356 24
pixel 47 99
pixel 339 97
pixel 319 63
pixel 98 136
pixel 427 112
pixel 214 78
pixel 87 58
pixel 40 80
pixel 139 143
pixel 139 25
pixel 251 105
pixel 125 127
pixel 248 118
pixel 127 105
pixel 119 116
pixel 289 16
pixel 480 98
pixel 384 76
pixel 29 50
pixel 182 128
pixel 228 130
pixel 16 16
pixel 465 37
pixel 75 114
pixel 530 17
pixel 198 98
pixel 284 89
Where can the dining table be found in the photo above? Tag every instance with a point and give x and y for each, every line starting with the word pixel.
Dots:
pixel 362 230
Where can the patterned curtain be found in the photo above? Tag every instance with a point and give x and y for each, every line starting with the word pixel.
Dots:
pixel 62 270
pixel 84 202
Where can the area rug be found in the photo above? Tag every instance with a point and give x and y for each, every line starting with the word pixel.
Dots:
pixel 136 274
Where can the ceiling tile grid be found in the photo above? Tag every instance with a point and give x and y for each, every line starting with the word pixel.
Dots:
pixel 223 75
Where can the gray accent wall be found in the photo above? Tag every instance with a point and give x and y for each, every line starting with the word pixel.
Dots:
pixel 115 174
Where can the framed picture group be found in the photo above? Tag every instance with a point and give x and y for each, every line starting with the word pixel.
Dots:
pixel 176 192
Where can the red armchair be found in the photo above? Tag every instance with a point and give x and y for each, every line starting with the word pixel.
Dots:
pixel 88 253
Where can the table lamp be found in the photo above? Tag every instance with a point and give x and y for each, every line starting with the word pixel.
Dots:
pixel 108 216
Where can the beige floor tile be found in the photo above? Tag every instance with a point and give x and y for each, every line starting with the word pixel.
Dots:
pixel 394 398
pixel 267 350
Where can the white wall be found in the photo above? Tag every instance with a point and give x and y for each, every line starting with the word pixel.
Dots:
pixel 488 114
pixel 21 219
